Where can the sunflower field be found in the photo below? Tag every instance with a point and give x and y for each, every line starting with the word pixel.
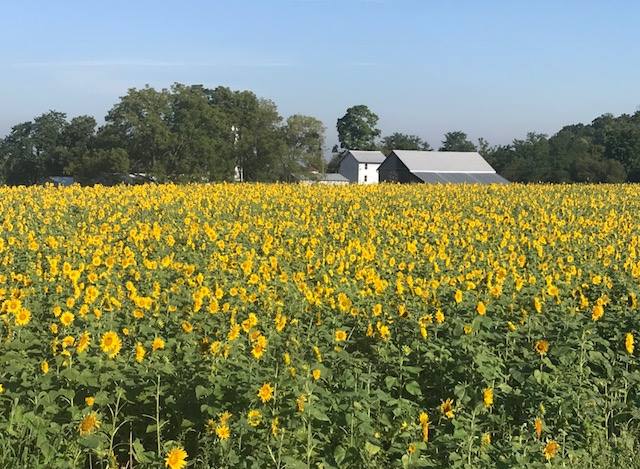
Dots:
pixel 285 326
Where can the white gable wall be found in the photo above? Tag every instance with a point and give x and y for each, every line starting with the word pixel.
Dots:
pixel 368 173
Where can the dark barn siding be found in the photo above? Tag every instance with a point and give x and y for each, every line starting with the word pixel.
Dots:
pixel 394 170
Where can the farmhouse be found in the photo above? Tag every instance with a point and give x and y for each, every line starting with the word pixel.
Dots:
pixel 361 166
pixel 438 167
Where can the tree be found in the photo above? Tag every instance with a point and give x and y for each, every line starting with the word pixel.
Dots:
pixel 528 159
pixel 138 123
pixel 93 164
pixel 333 166
pixel 202 143
pixel 622 143
pixel 357 129
pixel 483 147
pixel 257 137
pixel 304 136
pixel 400 141
pixel 457 141
pixel 34 150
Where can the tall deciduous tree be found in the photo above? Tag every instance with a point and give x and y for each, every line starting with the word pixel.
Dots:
pixel 202 143
pixel 400 141
pixel 457 141
pixel 257 137
pixel 139 124
pixel 357 129
pixel 304 136
pixel 35 149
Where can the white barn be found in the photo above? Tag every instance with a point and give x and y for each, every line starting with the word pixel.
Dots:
pixel 361 166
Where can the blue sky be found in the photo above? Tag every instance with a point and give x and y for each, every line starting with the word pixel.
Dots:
pixel 495 69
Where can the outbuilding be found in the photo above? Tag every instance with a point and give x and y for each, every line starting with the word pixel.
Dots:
pixel 361 166
pixel 438 167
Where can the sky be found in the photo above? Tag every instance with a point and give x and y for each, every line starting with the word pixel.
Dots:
pixel 493 69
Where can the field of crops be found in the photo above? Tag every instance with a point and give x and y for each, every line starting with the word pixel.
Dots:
pixel 288 326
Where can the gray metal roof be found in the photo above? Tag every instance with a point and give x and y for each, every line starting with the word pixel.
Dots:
pixel 444 161
pixel 460 178
pixel 362 156
pixel 335 177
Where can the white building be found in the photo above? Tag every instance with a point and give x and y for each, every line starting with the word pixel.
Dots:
pixel 361 166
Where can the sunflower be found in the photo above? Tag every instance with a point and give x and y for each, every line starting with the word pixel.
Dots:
pixel 300 402
pixel 110 343
pixel 481 308
pixel 424 423
pixel 542 347
pixel 157 344
pixel 254 417
pixel 340 335
pixel 89 424
pixel 628 343
pixel 44 367
pixel 23 317
pixel 223 432
pixel 13 305
pixel 275 426
pixel 140 352
pixel 550 449
pixel 447 408
pixel 537 424
pixel 487 397
pixel 84 341
pixel 316 373
pixel 265 393
pixel 458 296
pixel 176 458
pixel 68 341
pixel 597 312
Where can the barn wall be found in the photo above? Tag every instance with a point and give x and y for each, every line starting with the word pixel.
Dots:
pixel 349 168
pixel 393 170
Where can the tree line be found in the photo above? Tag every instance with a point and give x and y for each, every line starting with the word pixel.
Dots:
pixel 193 133
pixel 607 150
pixel 185 133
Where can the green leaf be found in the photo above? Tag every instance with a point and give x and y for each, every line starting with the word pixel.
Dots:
pixel 371 448
pixel 201 391
pixel 413 388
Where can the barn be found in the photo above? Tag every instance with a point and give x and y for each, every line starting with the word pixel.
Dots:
pixel 438 167
pixel 361 166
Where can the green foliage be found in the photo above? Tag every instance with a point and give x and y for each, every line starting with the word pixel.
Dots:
pixel 93 163
pixel 607 150
pixel 400 141
pixel 304 138
pixel 457 141
pixel 357 129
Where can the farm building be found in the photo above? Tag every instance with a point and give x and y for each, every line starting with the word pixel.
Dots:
pixel 438 167
pixel 361 166
pixel 319 178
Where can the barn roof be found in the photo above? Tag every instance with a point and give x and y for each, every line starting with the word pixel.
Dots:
pixel 459 177
pixel 363 156
pixel 333 177
pixel 443 161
